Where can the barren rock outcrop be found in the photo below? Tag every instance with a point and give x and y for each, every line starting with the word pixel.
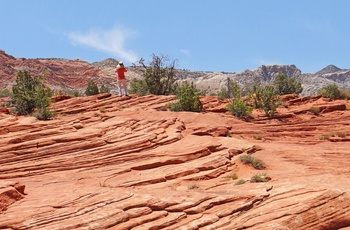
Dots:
pixel 109 162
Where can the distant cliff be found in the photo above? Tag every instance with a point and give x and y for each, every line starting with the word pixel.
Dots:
pixel 63 74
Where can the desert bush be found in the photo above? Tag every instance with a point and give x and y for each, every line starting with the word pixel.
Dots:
pixel 287 85
pixel 239 108
pixel 253 161
pixel 43 114
pixel 159 77
pixel 138 87
pixel 102 109
pixel 30 93
pixel 315 110
pixel 104 89
pixel 345 94
pixel 341 134
pixel 331 91
pixel 91 89
pixel 265 98
pixel 232 177
pixel 257 178
pixel 188 99
pixel 239 182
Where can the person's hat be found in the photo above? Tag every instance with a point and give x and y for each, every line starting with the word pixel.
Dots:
pixel 120 64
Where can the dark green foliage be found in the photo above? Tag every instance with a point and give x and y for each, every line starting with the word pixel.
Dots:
pixel 24 92
pixel 188 97
pixel 104 89
pixel 239 108
pixel 138 87
pixel 42 103
pixel 270 100
pixel 287 85
pixel 91 89
pixel 255 94
pixel 159 76
pixel 265 98
pixel 331 91
pixel 30 93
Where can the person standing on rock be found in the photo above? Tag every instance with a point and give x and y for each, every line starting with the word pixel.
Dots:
pixel 120 71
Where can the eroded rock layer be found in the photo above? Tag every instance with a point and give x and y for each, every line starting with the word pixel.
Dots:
pixel 109 162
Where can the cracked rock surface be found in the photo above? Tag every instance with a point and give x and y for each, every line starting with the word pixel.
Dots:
pixel 109 162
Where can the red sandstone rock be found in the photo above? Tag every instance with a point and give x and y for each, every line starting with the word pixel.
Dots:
pixel 10 192
pixel 4 110
pixel 134 166
pixel 63 74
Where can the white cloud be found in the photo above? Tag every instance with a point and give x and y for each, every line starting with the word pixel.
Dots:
pixel 109 41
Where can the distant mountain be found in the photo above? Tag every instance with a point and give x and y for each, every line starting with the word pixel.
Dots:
pixel 328 69
pixel 63 74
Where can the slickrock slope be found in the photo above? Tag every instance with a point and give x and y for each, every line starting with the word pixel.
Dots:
pixel 108 162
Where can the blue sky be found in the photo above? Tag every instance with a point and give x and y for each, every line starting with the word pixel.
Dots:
pixel 220 35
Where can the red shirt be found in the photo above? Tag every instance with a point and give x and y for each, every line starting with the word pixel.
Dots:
pixel 120 73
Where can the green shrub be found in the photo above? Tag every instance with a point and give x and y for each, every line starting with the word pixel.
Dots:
pixel 138 87
pixel 239 182
pixel 265 98
pixel 91 89
pixel 331 91
pixel 43 114
pixel 253 161
pixel 175 107
pixel 239 108
pixel 160 76
pixel 287 85
pixel 232 177
pixel 259 178
pixel 188 99
pixel 30 93
pixel 104 89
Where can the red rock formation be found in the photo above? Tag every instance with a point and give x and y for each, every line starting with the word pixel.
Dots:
pixel 108 162
pixel 61 74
